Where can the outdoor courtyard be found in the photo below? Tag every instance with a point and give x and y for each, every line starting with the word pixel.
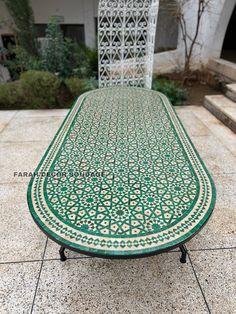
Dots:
pixel 107 207
pixel 34 280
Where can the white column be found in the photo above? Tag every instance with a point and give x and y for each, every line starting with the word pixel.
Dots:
pixel 90 6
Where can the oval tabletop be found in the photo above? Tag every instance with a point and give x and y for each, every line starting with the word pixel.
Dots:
pixel 121 177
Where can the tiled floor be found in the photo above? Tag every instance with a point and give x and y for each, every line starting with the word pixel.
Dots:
pixel 33 280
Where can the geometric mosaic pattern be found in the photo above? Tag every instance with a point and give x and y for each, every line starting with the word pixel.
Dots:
pixel 126 39
pixel 123 178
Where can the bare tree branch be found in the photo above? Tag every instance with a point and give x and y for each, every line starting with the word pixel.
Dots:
pixel 177 9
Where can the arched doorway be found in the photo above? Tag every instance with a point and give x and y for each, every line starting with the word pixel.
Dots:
pixel 229 45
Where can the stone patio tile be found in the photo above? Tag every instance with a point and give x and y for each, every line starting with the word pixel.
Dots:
pixel 42 113
pixel 220 231
pixel 203 114
pixel 192 124
pixel 20 157
pixel 183 108
pixel 21 239
pixel 225 191
pixel 159 284
pixel 217 158
pixel 231 111
pixel 17 287
pixel 217 276
pixel 13 192
pixel 224 134
pixel 31 129
pixel 5 117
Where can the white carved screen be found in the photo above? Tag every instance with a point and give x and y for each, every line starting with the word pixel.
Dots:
pixel 126 39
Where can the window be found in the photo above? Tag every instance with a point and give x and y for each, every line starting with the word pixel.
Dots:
pixel 40 30
pixel 8 40
pixel 72 31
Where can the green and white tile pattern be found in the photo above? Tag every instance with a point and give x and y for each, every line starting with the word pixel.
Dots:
pixel 154 191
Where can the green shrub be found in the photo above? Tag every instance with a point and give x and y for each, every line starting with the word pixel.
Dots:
pixel 172 89
pixel 64 96
pixel 10 96
pixel 22 61
pixel 86 62
pixel 58 53
pixel 90 84
pixel 79 86
pixel 75 85
pixel 40 89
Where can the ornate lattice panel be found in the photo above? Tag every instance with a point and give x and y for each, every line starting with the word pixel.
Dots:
pixel 126 38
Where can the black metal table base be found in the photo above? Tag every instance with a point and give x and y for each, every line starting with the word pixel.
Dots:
pixel 183 253
pixel 63 257
pixel 182 248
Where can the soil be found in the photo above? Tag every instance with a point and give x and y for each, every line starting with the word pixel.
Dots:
pixel 197 91
pixel 198 84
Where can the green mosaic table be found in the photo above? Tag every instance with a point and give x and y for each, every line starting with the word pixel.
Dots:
pixel 121 178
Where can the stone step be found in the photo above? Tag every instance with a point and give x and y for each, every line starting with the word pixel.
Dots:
pixel 226 70
pixel 223 109
pixel 231 91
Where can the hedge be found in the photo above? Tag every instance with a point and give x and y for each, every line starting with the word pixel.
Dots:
pixel 41 90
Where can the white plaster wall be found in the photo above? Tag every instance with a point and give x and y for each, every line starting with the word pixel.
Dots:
pixel 217 35
pixel 73 11
pixel 213 28
pixel 211 37
pixel 5 20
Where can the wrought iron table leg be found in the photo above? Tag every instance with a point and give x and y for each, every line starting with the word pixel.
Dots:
pixel 62 254
pixel 183 253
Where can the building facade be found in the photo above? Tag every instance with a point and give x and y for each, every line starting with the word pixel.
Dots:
pixel 78 19
pixel 216 39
